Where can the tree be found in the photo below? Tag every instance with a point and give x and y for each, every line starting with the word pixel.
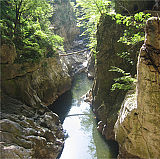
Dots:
pixel 26 24
pixel 89 13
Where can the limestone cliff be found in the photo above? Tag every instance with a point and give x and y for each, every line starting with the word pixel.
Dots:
pixel 33 83
pixel 64 22
pixel 28 128
pixel 137 128
pixel 105 102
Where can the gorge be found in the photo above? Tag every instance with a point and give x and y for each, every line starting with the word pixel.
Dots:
pixel 60 103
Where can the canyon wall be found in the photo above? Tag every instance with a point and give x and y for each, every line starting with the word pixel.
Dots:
pixel 28 128
pixel 33 82
pixel 106 103
pixel 137 128
pixel 64 22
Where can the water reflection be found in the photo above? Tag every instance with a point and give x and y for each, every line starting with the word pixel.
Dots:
pixel 79 144
pixel 98 147
pixel 84 141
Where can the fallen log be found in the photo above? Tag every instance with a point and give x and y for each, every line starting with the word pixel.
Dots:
pixel 76 115
pixel 77 52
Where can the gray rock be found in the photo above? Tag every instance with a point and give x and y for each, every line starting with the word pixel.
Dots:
pixel 23 136
pixel 35 83
pixel 137 128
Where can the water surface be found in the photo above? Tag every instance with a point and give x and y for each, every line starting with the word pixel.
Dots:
pixel 83 141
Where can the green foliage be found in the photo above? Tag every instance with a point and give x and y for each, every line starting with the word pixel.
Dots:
pixel 134 32
pixel 125 82
pixel 132 36
pixel 26 23
pixel 89 13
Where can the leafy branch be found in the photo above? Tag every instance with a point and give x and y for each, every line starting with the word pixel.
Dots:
pixel 125 82
pixel 26 24
pixel 89 13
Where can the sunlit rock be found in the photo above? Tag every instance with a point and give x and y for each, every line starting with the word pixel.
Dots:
pixel 137 128
pixel 35 83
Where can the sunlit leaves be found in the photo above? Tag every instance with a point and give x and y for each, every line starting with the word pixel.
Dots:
pixel 89 13
pixel 26 23
pixel 125 82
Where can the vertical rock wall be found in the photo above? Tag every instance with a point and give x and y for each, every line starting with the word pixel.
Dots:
pixel 105 102
pixel 64 22
pixel 137 128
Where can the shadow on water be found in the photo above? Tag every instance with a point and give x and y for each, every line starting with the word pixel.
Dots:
pixel 84 141
pixel 62 105
pixel 100 147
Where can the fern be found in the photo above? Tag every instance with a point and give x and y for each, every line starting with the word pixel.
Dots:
pixel 125 82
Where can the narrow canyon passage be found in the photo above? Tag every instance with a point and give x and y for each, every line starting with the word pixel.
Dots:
pixel 83 141
pixel 80 79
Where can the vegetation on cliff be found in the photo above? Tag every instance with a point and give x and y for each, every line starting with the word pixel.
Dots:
pixel 89 13
pixel 89 16
pixel 26 24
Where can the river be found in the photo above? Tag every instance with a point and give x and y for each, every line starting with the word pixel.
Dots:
pixel 83 140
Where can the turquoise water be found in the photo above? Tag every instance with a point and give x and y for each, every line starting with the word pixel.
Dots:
pixel 83 141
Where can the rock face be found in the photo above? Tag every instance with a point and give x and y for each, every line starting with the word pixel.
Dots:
pixel 30 130
pixel 8 53
pixel 64 22
pixel 131 7
pixel 77 61
pixel 105 102
pixel 35 83
pixel 137 128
